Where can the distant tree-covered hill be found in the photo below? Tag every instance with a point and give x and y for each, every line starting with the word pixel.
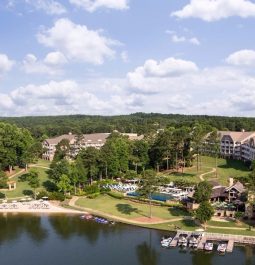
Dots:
pixel 141 123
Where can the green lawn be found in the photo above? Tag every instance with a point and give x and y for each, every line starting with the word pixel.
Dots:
pixel 23 187
pixel 225 169
pixel 128 209
pixel 42 162
pixel 228 224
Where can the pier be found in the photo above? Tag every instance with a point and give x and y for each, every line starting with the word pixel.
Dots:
pixel 230 239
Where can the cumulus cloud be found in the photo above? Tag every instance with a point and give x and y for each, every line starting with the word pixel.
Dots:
pixel 178 39
pixel 55 58
pixel 5 64
pixel 6 102
pixel 213 10
pixel 50 7
pixel 50 64
pixel 77 42
pixel 93 5
pixel 242 58
pixel 145 78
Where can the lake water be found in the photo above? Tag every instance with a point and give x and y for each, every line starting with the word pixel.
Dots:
pixel 67 240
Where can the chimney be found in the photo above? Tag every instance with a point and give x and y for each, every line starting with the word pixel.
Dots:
pixel 231 182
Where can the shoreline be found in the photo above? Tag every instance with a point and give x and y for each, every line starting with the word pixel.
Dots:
pixel 52 208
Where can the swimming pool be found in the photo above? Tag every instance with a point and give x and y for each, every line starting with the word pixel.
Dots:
pixel 155 196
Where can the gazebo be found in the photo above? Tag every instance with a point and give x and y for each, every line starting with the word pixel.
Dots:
pixel 11 185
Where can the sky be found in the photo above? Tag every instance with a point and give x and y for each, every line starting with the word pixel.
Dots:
pixel 111 57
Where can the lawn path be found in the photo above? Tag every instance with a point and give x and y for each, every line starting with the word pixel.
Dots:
pixel 207 173
pixel 17 174
pixel 39 166
pixel 23 170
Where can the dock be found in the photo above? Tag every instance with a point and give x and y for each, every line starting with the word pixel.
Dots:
pixel 174 242
pixel 230 239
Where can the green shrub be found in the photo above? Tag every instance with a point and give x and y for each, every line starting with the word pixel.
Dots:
pixel 42 193
pixel 239 215
pixel 93 196
pixel 2 195
pixel 57 196
pixel 94 188
pixel 116 195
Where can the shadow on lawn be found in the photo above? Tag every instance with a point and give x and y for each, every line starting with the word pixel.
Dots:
pixel 234 164
pixel 177 211
pixel 180 174
pixel 127 209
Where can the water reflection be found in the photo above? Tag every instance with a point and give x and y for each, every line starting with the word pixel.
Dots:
pixel 62 240
pixel 146 254
pixel 13 226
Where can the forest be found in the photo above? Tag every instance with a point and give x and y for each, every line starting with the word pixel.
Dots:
pixel 141 123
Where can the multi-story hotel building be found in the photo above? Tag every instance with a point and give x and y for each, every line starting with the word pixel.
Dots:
pixel 96 140
pixel 238 145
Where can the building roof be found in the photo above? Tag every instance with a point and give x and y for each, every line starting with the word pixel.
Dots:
pixel 219 192
pixel 93 138
pixel 237 136
pixel 238 186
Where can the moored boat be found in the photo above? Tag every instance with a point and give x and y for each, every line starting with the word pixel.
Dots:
pixel 86 217
pixel 101 220
pixel 165 241
pixel 183 240
pixel 208 246
pixel 222 247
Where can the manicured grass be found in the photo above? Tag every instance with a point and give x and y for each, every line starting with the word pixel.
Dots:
pixel 228 224
pixel 23 187
pixel 225 169
pixel 42 162
pixel 232 232
pixel 128 209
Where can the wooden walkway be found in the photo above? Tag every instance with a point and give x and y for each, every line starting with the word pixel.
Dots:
pixel 230 239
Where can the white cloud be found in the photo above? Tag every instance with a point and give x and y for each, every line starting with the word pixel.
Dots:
pixel 6 102
pixel 51 7
pixel 5 63
pixel 77 42
pixel 242 58
pixel 178 39
pixel 145 78
pixel 124 56
pixel 213 10
pixel 31 65
pixel 55 58
pixel 93 5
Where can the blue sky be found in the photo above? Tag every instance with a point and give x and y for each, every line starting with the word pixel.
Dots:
pixel 123 56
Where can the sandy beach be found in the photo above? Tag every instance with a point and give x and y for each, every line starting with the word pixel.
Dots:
pixel 35 207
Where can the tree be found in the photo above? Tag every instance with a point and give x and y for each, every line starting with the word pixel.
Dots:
pixel 3 180
pixel 149 184
pixel 33 180
pixel 64 184
pixel 90 160
pixel 57 169
pixel 62 150
pixel 204 212
pixel 212 147
pixel 203 192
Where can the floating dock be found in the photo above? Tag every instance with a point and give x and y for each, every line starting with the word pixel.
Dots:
pixel 230 239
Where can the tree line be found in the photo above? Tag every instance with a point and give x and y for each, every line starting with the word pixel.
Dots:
pixel 141 123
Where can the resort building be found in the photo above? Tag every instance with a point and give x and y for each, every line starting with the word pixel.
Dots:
pixel 237 145
pixel 78 142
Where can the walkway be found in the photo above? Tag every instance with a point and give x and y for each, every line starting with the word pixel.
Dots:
pixel 207 173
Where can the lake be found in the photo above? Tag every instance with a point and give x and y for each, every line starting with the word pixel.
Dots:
pixel 68 240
